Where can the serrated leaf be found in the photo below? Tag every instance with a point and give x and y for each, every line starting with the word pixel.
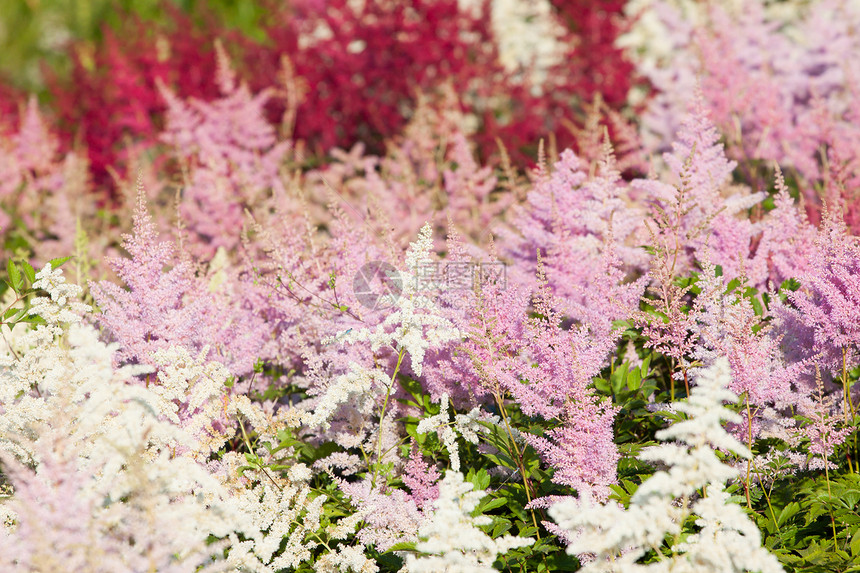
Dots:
pixel 58 262
pixel 480 479
pixel 15 279
pixel 491 504
pixel 634 380
pixel 787 512
pixel 29 271
pixel 643 370
pixel 501 527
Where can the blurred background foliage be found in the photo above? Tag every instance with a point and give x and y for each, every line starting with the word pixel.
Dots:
pixel 34 34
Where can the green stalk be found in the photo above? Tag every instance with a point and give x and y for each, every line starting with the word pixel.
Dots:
pixel 519 460
pixel 400 355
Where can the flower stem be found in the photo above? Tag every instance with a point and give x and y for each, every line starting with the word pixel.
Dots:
pixel 400 355
pixel 519 459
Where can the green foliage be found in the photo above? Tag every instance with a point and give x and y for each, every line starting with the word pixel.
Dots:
pixel 797 524
pixel 19 281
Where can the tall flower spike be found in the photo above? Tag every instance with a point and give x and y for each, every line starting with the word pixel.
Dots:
pixel 165 304
pixel 416 325
pixel 829 299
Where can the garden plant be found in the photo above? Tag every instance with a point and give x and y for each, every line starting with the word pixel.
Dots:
pixel 430 286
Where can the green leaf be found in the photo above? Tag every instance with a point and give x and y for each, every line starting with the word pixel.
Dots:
pixel 634 380
pixel 491 504
pixel 58 262
pixel 500 527
pixel 29 271
pixel 402 546
pixel 480 479
pixel 643 370
pixel 789 284
pixel 787 512
pixel 617 378
pixel 15 279
pixel 32 319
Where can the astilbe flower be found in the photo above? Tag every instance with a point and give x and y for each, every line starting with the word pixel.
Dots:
pixel 692 211
pixel 469 186
pixel 655 43
pixel 427 172
pixel 820 433
pixel 421 479
pixel 166 304
pixel 558 386
pixel 796 96
pixel 529 37
pixel 603 126
pixel 440 425
pixel 546 371
pixel 468 426
pixel 302 281
pixel 351 388
pixel 398 188
pixel 106 484
pixel 37 183
pixel 829 298
pixel 389 517
pixel 578 449
pixel 414 326
pixel 280 516
pixel 726 325
pixel 451 540
pixel 780 89
pixel 842 174
pixel 606 70
pixel 67 521
pixel 668 327
pixel 231 151
pixel 786 246
pixel 384 51
pixel 691 222
pixel 133 459
pixel 727 540
pixel 32 155
pixel 581 227
pixel 492 320
pixel 32 363
pixel 192 394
